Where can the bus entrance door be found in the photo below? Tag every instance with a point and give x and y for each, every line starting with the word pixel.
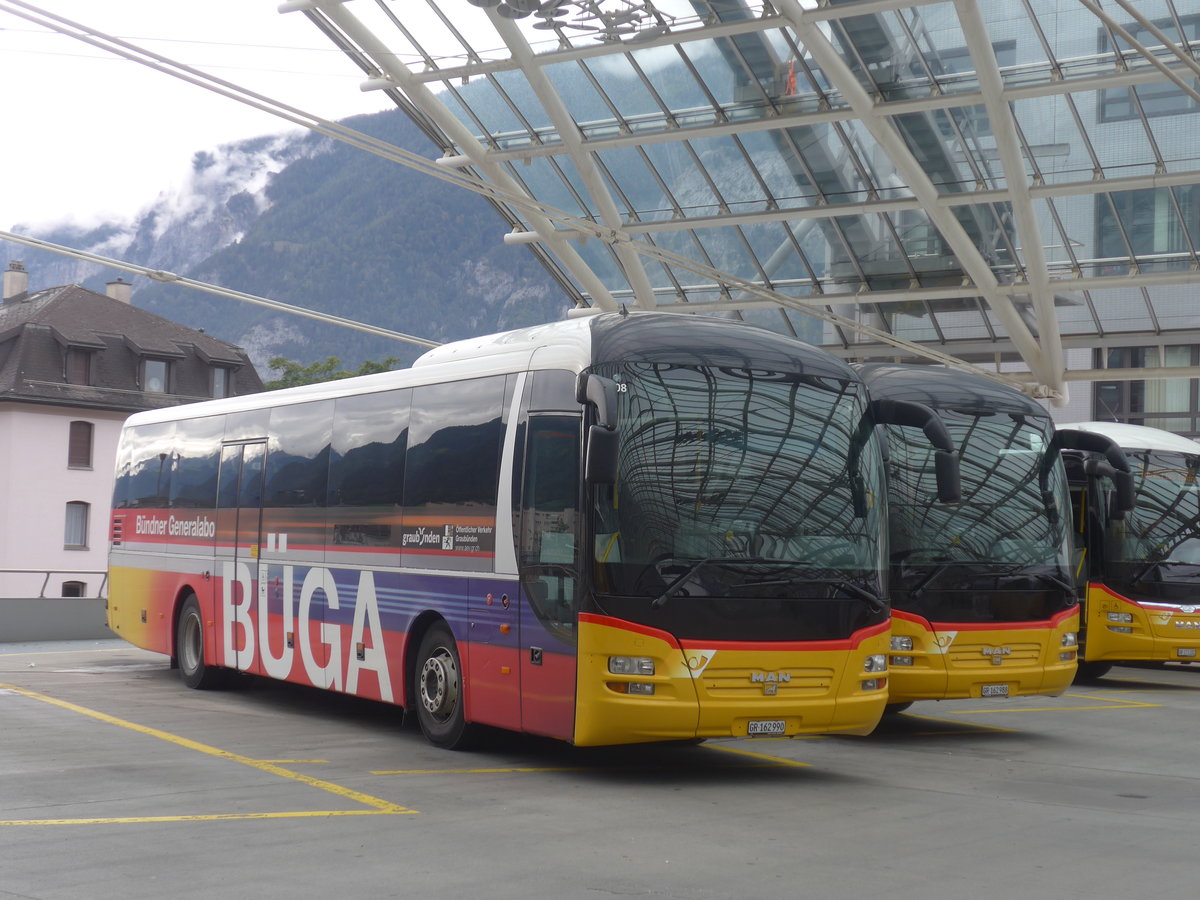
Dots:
pixel 549 564
pixel 239 501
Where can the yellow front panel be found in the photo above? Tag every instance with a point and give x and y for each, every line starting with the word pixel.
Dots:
pixel 719 692
pixel 950 664
pixel 1120 629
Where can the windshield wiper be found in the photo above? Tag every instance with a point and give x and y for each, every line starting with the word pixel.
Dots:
pixel 872 599
pixel 669 591
pixel 929 578
pixel 673 588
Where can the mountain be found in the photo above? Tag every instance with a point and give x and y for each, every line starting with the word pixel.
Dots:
pixel 312 222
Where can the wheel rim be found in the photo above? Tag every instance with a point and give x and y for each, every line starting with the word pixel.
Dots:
pixel 191 645
pixel 439 684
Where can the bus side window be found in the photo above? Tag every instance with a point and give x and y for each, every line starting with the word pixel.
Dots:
pixel 147 481
pixel 550 517
pixel 197 459
pixel 298 458
pixel 451 474
pixel 366 468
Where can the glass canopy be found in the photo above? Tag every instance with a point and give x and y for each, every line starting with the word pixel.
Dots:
pixel 964 181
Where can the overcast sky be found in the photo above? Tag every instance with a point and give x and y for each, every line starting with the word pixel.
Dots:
pixel 87 134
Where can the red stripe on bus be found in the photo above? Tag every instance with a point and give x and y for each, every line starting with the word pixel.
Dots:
pixel 692 644
pixel 1053 622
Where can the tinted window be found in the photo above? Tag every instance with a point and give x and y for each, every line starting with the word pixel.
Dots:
pixel 553 390
pixel 455 435
pixel 298 456
pixel 370 436
pixel 143 473
pixel 196 460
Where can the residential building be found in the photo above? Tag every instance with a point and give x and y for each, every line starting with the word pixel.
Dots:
pixel 73 365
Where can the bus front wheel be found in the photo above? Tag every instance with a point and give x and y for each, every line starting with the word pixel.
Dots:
pixel 189 649
pixel 440 691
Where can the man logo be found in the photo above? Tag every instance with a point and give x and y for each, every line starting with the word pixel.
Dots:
pixel 770 681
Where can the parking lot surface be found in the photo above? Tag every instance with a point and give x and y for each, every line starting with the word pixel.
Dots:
pixel 117 781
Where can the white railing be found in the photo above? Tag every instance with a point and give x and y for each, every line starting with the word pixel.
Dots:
pixel 66 573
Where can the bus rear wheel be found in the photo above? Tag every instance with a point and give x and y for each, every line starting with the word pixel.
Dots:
pixel 189 649
pixel 439 689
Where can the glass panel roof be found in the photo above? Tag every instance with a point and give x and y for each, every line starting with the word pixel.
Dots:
pixel 927 178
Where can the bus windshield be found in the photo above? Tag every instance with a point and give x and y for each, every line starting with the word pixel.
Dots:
pixel 1155 549
pixel 1002 553
pixel 748 504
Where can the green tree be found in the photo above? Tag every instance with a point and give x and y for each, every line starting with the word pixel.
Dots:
pixel 293 374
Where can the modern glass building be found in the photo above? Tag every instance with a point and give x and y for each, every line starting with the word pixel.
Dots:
pixel 1008 185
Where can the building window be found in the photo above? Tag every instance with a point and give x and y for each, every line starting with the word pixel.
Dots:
pixel 221 377
pixel 154 376
pixel 1159 98
pixel 75 536
pixel 79 446
pixel 1154 221
pixel 1172 404
pixel 78 367
pixel 74 589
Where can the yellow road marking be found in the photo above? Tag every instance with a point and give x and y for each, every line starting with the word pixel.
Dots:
pixel 525 770
pixel 777 760
pixel 975 729
pixel 377 805
pixel 522 770
pixel 217 817
pixel 60 652
pixel 1105 703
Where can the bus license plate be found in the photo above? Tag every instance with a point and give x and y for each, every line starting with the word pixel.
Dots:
pixel 767 726
pixel 995 690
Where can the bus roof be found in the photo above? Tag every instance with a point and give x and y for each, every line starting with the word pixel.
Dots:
pixel 1139 437
pixel 662 337
pixel 942 388
pixel 572 345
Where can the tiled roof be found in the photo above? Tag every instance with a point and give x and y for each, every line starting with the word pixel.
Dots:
pixel 38 328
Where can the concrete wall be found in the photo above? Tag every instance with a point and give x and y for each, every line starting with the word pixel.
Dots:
pixel 52 619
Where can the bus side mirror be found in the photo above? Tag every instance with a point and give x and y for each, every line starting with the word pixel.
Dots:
pixel 1123 482
pixel 600 466
pixel 949 482
pixel 945 460
pixel 1116 468
pixel 601 393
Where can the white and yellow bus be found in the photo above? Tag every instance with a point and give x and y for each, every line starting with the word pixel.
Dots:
pixel 1139 568
pixel 612 529
pixel 983 603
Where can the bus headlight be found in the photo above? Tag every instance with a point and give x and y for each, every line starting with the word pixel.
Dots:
pixel 631 665
pixel 1070 639
pixel 1120 617
pixel 874 684
pixel 902 660
pixel 644 688
pixel 902 644
pixel 875 663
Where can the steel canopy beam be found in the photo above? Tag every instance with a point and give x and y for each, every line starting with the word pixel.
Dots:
pixel 1003 127
pixel 585 163
pixel 888 137
pixel 423 98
